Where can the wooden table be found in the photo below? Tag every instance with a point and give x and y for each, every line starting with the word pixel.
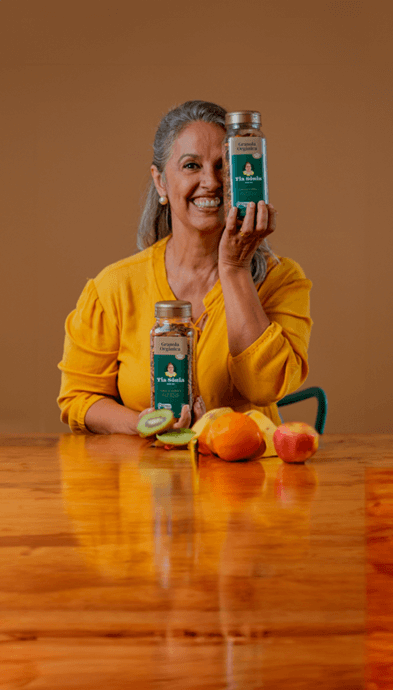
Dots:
pixel 126 567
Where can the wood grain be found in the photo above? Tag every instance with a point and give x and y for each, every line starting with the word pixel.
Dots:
pixel 379 536
pixel 124 566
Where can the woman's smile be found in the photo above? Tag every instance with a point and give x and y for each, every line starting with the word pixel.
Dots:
pixel 205 202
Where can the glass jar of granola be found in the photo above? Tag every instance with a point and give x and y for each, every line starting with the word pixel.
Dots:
pixel 244 161
pixel 172 357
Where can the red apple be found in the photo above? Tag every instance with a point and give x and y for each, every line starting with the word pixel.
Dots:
pixel 295 441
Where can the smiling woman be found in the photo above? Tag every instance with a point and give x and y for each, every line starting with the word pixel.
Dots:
pixel 156 219
pixel 251 307
pixel 193 179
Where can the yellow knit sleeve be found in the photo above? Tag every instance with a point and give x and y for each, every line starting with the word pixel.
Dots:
pixel 277 363
pixel 89 365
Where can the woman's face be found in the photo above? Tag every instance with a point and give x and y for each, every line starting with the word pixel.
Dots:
pixel 170 368
pixel 193 179
pixel 248 167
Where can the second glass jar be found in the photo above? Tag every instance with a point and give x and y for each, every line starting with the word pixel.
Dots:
pixel 172 357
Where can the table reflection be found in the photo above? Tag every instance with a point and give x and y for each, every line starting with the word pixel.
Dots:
pixel 151 571
pixel 141 512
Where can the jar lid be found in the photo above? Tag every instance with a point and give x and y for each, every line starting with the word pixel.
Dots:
pixel 243 116
pixel 173 308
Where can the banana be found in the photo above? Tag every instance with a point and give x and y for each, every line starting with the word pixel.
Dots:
pixel 267 428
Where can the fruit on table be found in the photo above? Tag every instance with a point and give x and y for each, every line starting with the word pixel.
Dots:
pixel 267 428
pixel 155 422
pixel 202 426
pixel 235 436
pixel 175 438
pixel 295 441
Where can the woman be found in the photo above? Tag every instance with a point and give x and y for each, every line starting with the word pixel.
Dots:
pixel 170 370
pixel 248 171
pixel 251 308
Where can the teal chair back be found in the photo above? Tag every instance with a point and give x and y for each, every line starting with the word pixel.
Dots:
pixel 312 392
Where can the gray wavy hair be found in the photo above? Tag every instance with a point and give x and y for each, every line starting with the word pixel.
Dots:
pixel 155 222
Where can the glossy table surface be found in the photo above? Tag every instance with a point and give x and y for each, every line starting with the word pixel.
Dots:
pixel 128 567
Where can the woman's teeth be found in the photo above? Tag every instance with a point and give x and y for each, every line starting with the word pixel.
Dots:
pixel 202 202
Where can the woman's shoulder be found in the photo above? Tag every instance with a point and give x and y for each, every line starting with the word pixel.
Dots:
pixel 283 274
pixel 284 268
pixel 124 266
pixel 135 267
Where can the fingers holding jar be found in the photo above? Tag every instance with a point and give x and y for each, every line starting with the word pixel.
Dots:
pixel 188 417
pixel 240 240
pixel 259 222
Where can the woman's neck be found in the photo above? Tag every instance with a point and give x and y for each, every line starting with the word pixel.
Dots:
pixel 192 267
pixel 196 251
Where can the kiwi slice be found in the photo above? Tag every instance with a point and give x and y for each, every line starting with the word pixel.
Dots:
pixel 176 437
pixel 154 422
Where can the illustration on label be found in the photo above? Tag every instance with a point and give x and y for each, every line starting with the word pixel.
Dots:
pixel 248 170
pixel 170 370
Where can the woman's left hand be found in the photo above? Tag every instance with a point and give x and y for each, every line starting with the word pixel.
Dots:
pixel 186 419
pixel 239 241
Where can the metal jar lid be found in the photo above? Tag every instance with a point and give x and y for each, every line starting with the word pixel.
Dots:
pixel 172 309
pixel 243 117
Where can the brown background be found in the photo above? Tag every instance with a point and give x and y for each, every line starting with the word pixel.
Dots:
pixel 83 86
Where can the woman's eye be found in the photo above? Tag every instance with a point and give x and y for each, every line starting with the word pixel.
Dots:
pixel 191 165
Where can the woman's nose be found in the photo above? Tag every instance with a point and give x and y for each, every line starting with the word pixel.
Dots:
pixel 212 178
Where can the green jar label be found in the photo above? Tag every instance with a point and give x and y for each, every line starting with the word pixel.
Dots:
pixel 170 373
pixel 248 170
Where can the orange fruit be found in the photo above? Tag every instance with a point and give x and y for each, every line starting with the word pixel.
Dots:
pixel 202 426
pixel 235 436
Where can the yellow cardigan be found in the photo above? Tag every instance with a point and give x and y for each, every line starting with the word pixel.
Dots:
pixel 106 350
